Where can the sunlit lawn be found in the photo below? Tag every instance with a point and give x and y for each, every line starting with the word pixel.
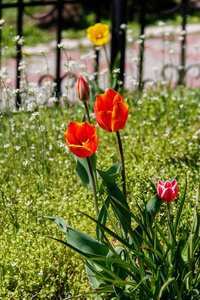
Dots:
pixel 37 178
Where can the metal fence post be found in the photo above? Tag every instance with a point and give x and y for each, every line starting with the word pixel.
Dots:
pixel 0 33
pixel 118 42
pixel 58 53
pixel 183 43
pixel 98 17
pixel 19 50
pixel 142 28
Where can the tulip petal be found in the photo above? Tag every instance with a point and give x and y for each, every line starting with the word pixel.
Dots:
pixel 120 113
pixel 70 134
pixel 104 102
pixel 81 139
pixel 84 132
pixel 173 182
pixel 175 189
pixel 167 184
pixel 92 143
pixel 160 182
pixel 160 190
pixel 82 89
pixel 105 118
pixel 98 119
pixel 168 195
pixel 80 151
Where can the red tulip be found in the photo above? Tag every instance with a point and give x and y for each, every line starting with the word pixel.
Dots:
pixel 111 111
pixel 82 89
pixel 81 139
pixel 167 191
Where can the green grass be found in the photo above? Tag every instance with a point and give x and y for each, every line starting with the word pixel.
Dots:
pixel 37 178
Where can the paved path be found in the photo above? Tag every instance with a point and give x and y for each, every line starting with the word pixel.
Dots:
pixel 157 53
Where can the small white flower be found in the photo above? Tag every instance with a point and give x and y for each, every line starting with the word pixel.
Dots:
pixel 116 71
pixel 182 32
pixel 42 51
pixel 61 46
pixel 123 26
pixel 98 48
pixel 161 24
pixel 2 22
pixel 6 145
pixel 139 42
pixel 142 36
pixel 41 272
pixel 120 82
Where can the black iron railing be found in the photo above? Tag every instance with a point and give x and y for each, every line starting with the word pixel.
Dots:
pixel 181 70
pixel 118 43
pixel 118 10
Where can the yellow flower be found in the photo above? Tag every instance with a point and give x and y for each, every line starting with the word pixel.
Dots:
pixel 98 34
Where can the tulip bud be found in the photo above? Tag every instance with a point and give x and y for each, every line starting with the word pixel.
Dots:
pixel 82 89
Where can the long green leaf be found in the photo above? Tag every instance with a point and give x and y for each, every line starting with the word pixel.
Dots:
pixel 164 286
pixel 114 191
pixel 146 260
pixel 102 218
pixel 179 211
pixel 80 240
pixel 153 206
pixel 131 283
pixel 119 262
pixel 95 282
pixel 83 172
pixel 60 222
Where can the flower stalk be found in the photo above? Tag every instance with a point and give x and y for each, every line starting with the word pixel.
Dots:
pixel 87 112
pixel 93 188
pixel 122 162
pixel 170 232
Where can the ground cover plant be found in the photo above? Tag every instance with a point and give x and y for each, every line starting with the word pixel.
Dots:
pixel 159 131
pixel 161 140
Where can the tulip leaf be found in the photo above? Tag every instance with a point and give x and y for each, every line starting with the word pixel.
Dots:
pixel 114 192
pixel 90 269
pixel 102 218
pixel 80 241
pixel 60 222
pixel 153 206
pixel 83 172
pixel 83 119
pixel 113 172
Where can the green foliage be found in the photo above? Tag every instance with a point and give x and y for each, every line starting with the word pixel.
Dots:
pixel 166 267
pixel 37 178
pixel 83 173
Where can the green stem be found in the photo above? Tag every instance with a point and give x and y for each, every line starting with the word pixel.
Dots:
pixel 170 233
pixel 87 112
pixel 122 162
pixel 93 187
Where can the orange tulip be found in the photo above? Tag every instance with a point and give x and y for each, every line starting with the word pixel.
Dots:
pixel 81 139
pixel 111 111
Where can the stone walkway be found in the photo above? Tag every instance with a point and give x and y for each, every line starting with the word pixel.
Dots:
pixel 157 53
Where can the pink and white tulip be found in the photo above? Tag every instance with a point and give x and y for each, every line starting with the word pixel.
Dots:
pixel 167 191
